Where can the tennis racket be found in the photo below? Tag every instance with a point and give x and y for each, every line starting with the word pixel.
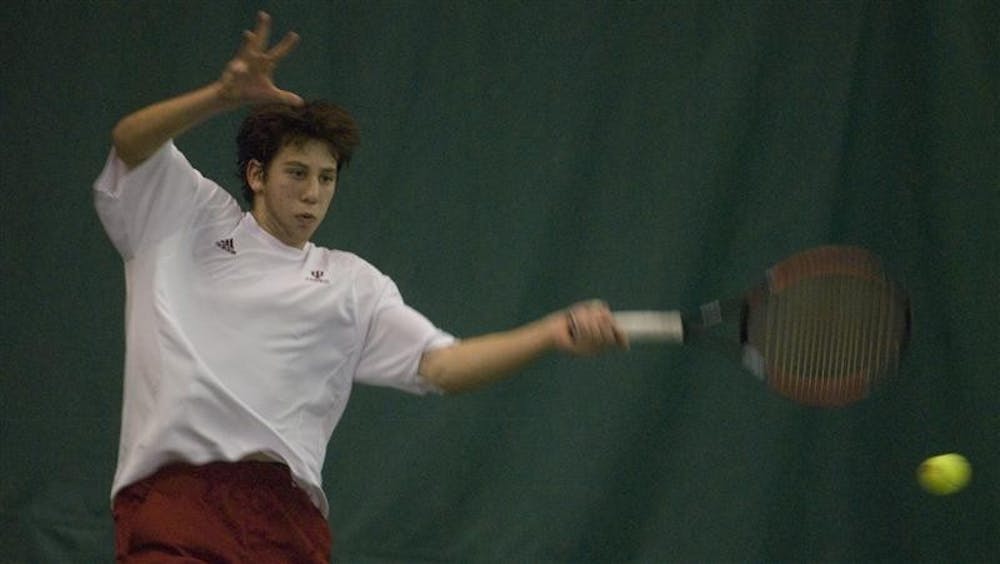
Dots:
pixel 826 327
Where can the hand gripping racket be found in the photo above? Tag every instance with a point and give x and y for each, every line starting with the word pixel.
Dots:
pixel 825 328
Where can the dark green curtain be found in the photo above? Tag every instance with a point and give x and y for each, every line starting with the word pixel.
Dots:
pixel 517 157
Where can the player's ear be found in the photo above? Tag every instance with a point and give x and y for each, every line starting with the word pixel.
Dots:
pixel 255 175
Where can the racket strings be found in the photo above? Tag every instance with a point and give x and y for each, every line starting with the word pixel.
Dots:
pixel 832 326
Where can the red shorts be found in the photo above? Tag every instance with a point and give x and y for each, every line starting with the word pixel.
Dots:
pixel 219 512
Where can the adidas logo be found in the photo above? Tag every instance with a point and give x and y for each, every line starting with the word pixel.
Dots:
pixel 226 245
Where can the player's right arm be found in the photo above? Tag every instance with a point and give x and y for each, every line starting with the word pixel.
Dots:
pixel 247 79
pixel 584 329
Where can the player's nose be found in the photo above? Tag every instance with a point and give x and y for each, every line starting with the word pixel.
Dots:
pixel 310 193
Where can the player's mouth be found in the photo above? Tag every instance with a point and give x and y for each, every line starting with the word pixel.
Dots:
pixel 305 218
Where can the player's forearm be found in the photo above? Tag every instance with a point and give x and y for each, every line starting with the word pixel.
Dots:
pixel 139 135
pixel 479 361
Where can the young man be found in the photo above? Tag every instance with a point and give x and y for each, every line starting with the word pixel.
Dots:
pixel 244 338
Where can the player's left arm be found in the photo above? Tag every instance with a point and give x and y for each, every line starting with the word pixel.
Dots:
pixel 248 78
pixel 583 329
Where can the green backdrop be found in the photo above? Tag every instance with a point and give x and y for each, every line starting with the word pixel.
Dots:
pixel 519 156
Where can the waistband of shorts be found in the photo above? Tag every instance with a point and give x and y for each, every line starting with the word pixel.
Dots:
pixel 243 471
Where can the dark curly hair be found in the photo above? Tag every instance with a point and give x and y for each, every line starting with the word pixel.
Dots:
pixel 270 127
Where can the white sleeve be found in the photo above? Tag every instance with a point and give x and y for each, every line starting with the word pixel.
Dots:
pixel 396 340
pixel 161 196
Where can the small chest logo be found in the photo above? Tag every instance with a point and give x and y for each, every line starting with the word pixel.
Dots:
pixel 226 245
pixel 317 276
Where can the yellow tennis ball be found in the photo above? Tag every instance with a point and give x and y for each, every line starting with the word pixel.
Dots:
pixel 944 474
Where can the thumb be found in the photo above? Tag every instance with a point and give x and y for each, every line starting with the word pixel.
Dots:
pixel 290 98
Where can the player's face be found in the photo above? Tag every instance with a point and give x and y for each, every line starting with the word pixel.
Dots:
pixel 291 199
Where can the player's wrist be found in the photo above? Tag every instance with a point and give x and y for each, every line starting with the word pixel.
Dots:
pixel 225 95
pixel 554 332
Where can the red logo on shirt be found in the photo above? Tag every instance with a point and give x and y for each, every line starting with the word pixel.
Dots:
pixel 317 276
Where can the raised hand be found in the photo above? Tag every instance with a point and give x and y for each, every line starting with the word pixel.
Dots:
pixel 249 77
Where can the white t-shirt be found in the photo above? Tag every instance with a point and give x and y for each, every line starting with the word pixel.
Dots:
pixel 238 345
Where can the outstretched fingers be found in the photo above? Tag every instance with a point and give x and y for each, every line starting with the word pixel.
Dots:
pixel 285 46
pixel 255 43
pixel 248 77
pixel 262 33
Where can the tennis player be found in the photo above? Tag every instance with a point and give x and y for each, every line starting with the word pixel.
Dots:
pixel 243 338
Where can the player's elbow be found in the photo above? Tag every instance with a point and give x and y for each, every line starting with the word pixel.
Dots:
pixel 438 367
pixel 120 141
pixel 126 144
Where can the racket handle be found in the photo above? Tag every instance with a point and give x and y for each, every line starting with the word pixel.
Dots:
pixel 651 326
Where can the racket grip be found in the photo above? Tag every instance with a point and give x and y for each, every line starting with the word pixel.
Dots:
pixel 651 326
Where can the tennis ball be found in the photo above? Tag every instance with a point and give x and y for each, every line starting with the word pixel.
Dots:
pixel 944 474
